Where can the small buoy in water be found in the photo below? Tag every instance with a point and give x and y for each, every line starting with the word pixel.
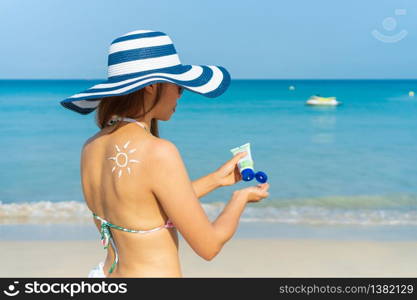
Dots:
pixel 291 87
pixel 411 93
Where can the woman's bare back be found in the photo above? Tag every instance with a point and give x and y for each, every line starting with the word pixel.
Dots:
pixel 116 187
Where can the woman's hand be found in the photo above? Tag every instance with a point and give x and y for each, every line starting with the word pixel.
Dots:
pixel 228 173
pixel 254 193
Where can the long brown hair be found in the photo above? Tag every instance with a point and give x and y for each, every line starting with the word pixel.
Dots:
pixel 130 105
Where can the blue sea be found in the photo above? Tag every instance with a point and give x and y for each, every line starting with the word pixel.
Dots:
pixel 349 166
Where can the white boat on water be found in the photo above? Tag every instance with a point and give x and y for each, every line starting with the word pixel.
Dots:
pixel 318 100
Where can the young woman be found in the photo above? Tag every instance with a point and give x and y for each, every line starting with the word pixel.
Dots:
pixel 135 182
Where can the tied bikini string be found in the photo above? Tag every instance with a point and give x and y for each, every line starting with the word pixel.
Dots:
pixel 116 119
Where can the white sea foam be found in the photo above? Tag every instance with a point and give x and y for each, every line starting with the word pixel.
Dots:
pixel 44 212
pixel 74 212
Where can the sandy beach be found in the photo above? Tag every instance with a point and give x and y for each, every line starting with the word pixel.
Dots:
pixel 240 257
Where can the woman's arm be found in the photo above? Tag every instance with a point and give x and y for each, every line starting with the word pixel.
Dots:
pixel 227 174
pixel 204 185
pixel 179 201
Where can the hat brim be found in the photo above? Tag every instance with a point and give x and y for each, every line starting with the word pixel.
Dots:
pixel 209 81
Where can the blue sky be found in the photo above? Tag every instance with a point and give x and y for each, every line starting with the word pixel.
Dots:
pixel 252 39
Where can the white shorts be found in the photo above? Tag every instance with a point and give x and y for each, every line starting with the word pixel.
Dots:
pixel 97 271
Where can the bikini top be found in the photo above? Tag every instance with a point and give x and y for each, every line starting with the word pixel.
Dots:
pixel 105 232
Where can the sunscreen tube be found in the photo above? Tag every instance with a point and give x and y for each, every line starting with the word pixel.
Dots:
pixel 245 164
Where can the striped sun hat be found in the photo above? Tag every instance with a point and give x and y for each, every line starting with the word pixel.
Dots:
pixel 143 57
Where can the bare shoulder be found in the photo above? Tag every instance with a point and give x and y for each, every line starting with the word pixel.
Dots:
pixel 165 161
pixel 163 150
pixel 86 146
pixel 89 142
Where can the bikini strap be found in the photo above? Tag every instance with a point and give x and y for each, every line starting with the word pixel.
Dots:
pixel 126 119
pixel 133 120
pixel 169 224
pixel 106 236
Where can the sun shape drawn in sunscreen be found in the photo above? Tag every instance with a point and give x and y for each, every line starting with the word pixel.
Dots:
pixel 122 157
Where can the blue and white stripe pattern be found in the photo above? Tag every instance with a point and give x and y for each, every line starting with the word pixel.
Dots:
pixel 144 57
